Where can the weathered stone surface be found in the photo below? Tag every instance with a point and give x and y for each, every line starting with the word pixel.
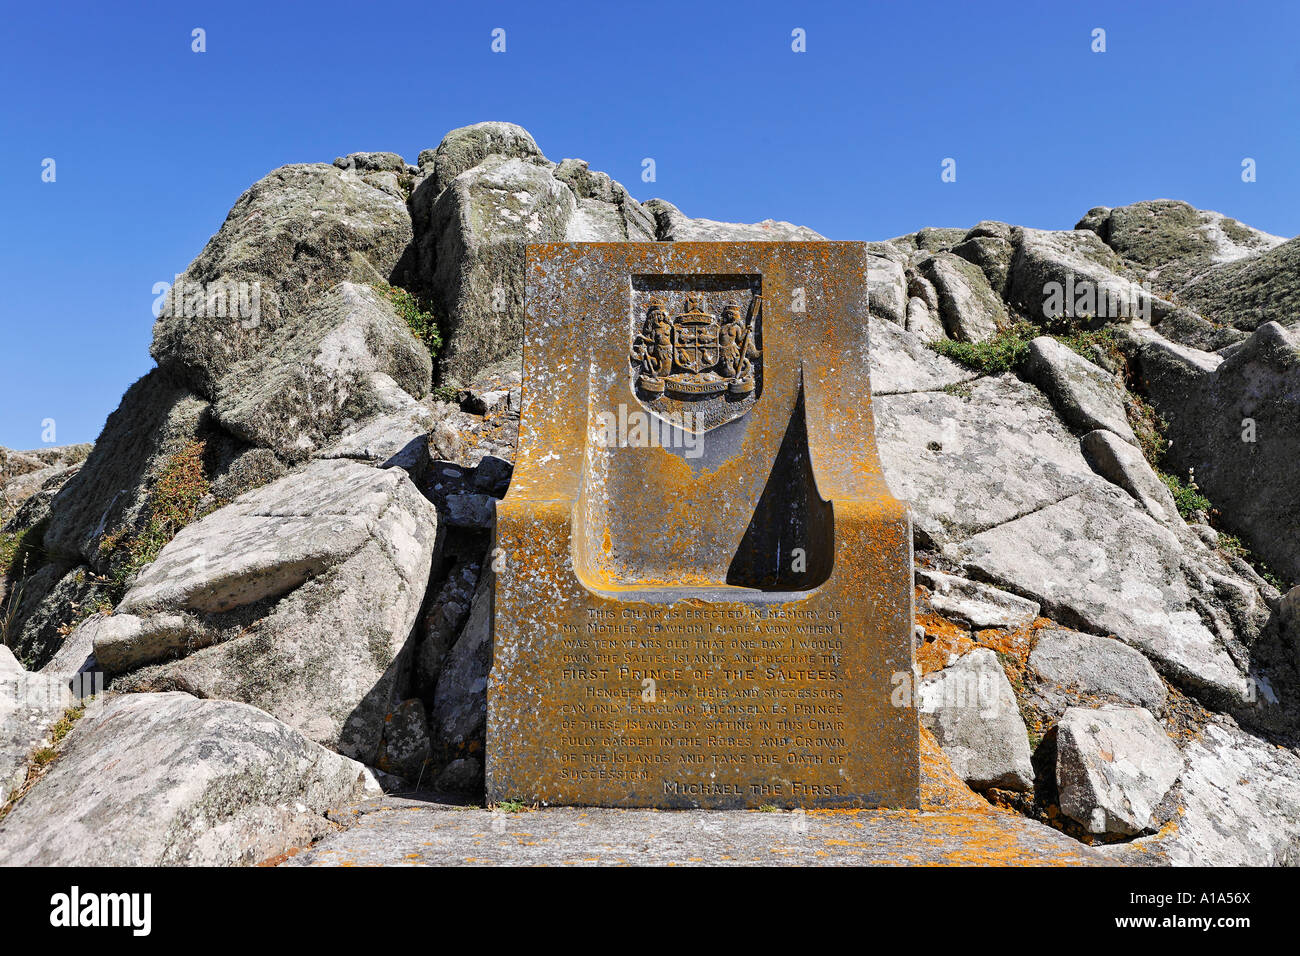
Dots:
pixel 713 559
pixel 975 604
pixel 482 221
pixel 971 463
pixel 1068 662
pixel 346 549
pixel 900 363
pixel 887 290
pixel 297 232
pixel 606 212
pixel 459 714
pixel 673 226
pixel 30 705
pixel 972 711
pixel 1174 241
pixel 1121 464
pixel 1084 395
pixel 922 323
pixel 167 779
pixel 1072 260
pixel 339 366
pixel 406 745
pixel 407 833
pixel 1094 561
pixel 1251 292
pixel 155 420
pixel 1113 767
pixel 1213 409
pixel 970 310
pixel 1239 805
pixel 991 253
pixel 468 146
pixel 123 641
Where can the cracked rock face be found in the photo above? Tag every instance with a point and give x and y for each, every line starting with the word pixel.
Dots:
pixel 168 779
pixel 299 598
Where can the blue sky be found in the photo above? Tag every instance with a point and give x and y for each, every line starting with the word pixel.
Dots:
pixel 153 142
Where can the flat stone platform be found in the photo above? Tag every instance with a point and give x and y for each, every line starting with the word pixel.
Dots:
pixel 399 832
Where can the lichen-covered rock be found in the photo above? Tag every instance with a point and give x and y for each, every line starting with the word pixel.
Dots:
pixel 1174 241
pixel 307 590
pixel 347 352
pixel 481 221
pixel 968 307
pixel 1125 467
pixel 295 233
pixel 1085 396
pixel 1238 805
pixel 975 604
pixel 30 705
pixel 1071 664
pixel 674 226
pixel 1113 767
pixel 168 779
pixel 460 701
pixel 972 711
pixel 1235 424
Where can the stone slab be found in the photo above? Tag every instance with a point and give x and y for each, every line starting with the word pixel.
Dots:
pixel 406 833
pixel 659 641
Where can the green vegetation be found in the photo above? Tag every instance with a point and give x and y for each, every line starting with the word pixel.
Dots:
pixel 173 503
pixel 993 356
pixel 40 759
pixel 1082 342
pixel 510 806
pixel 418 316
pixel 1187 496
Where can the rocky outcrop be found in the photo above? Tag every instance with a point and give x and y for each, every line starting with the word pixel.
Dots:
pixel 1235 424
pixel 168 779
pixel 331 566
pixel 299 598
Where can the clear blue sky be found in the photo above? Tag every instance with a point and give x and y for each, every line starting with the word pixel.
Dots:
pixel 153 143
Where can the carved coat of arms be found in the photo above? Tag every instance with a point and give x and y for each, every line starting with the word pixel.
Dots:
pixel 694 352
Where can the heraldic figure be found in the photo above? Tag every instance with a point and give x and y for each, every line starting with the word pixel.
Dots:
pixel 694 353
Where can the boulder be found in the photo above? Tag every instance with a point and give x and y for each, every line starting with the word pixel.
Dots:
pixel 975 604
pixel 1085 396
pixel 972 711
pixel 1113 767
pixel 673 226
pixel 1236 424
pixel 30 705
pixel 900 363
pixel 479 225
pixel 291 237
pixel 1239 805
pixel 168 779
pixel 1123 465
pixel 1056 276
pixel 971 463
pixel 887 290
pixel 606 212
pixel 351 358
pixel 307 591
pixel 1175 242
pixel 468 146
pixel 1252 291
pixel 1094 561
pixel 406 747
pixel 968 307
pixel 1070 663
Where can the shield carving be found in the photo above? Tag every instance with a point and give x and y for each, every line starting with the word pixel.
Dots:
pixel 695 341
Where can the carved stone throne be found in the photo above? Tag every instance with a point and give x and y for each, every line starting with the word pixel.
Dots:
pixel 704 587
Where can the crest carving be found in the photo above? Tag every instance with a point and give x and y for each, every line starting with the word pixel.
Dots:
pixel 695 353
